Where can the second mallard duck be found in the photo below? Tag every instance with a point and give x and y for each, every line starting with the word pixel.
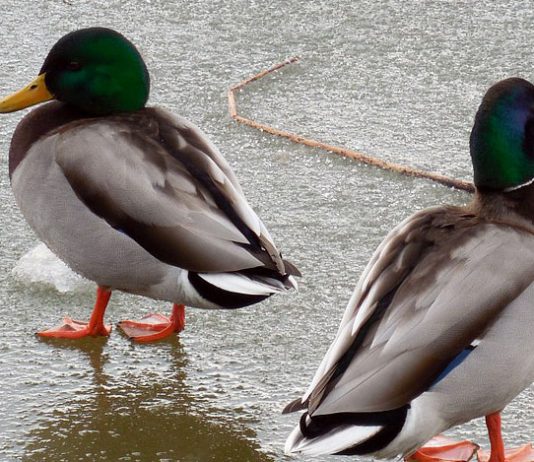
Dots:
pixel 439 328
pixel 133 197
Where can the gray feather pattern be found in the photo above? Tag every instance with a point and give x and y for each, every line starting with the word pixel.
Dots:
pixel 154 198
pixel 446 267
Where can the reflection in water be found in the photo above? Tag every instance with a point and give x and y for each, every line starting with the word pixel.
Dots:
pixel 90 347
pixel 135 416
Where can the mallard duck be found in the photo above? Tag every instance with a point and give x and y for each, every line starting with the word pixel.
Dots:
pixel 131 197
pixel 439 328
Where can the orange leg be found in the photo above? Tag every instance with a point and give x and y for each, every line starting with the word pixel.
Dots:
pixel 72 328
pixel 442 449
pixel 155 326
pixel 524 453
pixel 493 422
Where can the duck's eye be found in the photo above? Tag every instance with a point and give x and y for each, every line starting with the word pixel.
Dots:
pixel 74 66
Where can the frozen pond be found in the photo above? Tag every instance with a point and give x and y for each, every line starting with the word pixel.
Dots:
pixel 400 80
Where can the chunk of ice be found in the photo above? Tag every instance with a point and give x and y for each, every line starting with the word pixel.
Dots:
pixel 41 266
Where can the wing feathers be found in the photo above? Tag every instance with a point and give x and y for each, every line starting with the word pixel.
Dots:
pixel 168 188
pixel 441 271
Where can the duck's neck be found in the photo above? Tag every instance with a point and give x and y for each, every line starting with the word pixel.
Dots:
pixel 37 123
pixel 515 207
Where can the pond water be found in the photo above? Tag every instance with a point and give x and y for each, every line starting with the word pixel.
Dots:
pixel 399 80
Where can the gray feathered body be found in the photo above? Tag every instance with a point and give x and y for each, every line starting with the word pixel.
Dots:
pixel 143 202
pixel 437 332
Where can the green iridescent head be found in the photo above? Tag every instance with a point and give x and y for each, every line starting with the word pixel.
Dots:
pixel 502 139
pixel 96 70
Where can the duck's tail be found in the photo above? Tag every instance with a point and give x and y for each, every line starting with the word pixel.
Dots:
pixel 242 288
pixel 345 433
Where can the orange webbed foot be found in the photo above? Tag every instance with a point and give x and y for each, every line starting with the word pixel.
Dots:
pixel 443 449
pixel 523 453
pixel 155 326
pixel 72 328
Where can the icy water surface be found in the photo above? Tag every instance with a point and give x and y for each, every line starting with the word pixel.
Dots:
pixel 400 80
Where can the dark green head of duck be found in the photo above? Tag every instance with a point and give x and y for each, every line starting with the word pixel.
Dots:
pixel 502 139
pixel 96 70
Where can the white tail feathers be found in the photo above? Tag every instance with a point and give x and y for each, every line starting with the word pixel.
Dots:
pixel 339 439
pixel 242 284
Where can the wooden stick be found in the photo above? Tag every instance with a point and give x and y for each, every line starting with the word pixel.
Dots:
pixel 359 156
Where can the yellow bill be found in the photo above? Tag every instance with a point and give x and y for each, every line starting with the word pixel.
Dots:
pixel 33 93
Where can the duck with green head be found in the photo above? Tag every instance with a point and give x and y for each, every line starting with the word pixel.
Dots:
pixel 133 197
pixel 439 328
